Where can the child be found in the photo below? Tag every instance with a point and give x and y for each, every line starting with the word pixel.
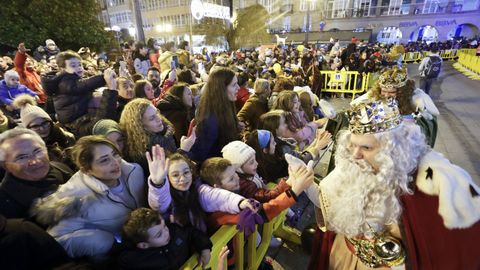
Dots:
pixel 252 185
pixel 176 192
pixel 10 87
pixel 156 244
pixel 275 166
pixel 72 94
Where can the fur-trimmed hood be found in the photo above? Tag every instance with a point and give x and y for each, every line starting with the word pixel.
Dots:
pixel 458 195
pixel 86 200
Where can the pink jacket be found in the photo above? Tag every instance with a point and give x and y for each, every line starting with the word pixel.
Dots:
pixel 211 199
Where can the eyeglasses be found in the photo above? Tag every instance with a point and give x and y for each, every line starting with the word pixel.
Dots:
pixel 175 176
pixel 26 158
pixel 44 125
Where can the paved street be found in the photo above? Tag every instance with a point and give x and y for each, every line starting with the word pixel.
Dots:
pixel 458 138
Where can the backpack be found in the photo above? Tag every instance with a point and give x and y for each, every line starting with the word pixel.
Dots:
pixel 433 67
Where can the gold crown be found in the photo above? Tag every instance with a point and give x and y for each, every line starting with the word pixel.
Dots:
pixel 394 78
pixel 374 116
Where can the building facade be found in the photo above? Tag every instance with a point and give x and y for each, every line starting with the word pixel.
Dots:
pixel 388 21
pixel 164 20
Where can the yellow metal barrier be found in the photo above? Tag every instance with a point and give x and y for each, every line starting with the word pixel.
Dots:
pixel 468 64
pixel 468 51
pixel 415 57
pixel 255 254
pixel 350 82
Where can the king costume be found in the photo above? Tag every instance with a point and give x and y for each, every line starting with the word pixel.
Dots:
pixel 437 227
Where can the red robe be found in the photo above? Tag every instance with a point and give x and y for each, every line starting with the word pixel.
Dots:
pixel 29 77
pixel 429 244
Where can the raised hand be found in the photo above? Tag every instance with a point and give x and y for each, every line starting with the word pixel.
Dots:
pixel 110 78
pixel 323 139
pixel 22 49
pixel 186 143
pixel 302 178
pixel 157 164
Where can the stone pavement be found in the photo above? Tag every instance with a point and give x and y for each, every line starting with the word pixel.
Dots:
pixel 458 138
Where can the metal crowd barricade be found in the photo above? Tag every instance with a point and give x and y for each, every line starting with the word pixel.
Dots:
pixel 349 82
pixel 412 57
pixel 468 51
pixel 254 254
pixel 468 64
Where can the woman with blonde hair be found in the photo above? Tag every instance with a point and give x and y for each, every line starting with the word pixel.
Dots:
pixel 144 127
pixel 256 105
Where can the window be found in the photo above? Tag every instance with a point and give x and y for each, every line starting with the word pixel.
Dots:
pixel 268 4
pixel 286 23
pixel 304 28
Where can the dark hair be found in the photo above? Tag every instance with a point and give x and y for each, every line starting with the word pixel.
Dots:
pixel 264 159
pixel 186 204
pixel 186 77
pixel 66 55
pixel 177 90
pixel 138 222
pixel 212 169
pixel 214 102
pixel 183 44
pixel 153 69
pixel 140 88
pixel 169 45
pixel 242 78
pixel 283 83
pixel 271 121
pixel 136 77
pixel 82 151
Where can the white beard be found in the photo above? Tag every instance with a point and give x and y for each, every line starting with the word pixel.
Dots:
pixel 360 199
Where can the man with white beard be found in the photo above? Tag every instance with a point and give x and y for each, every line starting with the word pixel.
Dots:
pixel 392 202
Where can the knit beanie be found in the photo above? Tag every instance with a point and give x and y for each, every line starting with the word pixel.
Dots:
pixel 28 109
pixel 238 152
pixel 105 127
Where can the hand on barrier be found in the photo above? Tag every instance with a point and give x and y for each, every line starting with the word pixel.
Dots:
pixel 249 204
pixel 247 221
pixel 222 257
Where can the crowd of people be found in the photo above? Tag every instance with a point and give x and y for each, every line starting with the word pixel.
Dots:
pixel 133 162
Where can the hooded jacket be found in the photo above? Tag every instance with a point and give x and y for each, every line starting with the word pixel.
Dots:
pixel 84 202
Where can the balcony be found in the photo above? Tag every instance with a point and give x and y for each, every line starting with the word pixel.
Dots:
pixel 286 8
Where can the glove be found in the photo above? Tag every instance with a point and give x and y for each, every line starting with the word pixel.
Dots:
pixel 247 221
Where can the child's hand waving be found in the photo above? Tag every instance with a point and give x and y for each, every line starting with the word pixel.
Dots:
pixel 157 164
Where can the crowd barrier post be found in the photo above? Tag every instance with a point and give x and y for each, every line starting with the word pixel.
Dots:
pixel 468 64
pixel 344 82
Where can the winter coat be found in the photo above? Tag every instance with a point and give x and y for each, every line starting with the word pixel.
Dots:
pixel 210 199
pixel 183 57
pixel 252 110
pixel 206 145
pixel 17 195
pixel 242 96
pixel 84 202
pixel 165 61
pixel 178 114
pixel 29 77
pixel 250 190
pixel 8 94
pixel 184 241
pixel 57 141
pixel 71 94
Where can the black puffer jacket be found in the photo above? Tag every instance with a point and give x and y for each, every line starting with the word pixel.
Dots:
pixel 176 112
pixel 71 94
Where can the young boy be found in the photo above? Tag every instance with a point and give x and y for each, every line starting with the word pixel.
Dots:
pixel 242 156
pixel 71 94
pixel 153 244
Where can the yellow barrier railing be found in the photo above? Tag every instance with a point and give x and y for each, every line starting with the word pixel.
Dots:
pixel 415 57
pixel 468 51
pixel 255 254
pixel 350 82
pixel 469 65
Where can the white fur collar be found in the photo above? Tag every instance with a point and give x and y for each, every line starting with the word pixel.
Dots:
pixel 458 195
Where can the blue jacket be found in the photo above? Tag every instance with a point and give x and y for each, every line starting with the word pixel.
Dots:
pixel 206 145
pixel 8 94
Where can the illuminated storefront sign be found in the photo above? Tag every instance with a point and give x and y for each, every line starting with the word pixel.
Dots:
pixel 200 10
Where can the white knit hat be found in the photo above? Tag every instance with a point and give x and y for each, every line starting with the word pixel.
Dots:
pixel 28 109
pixel 238 152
